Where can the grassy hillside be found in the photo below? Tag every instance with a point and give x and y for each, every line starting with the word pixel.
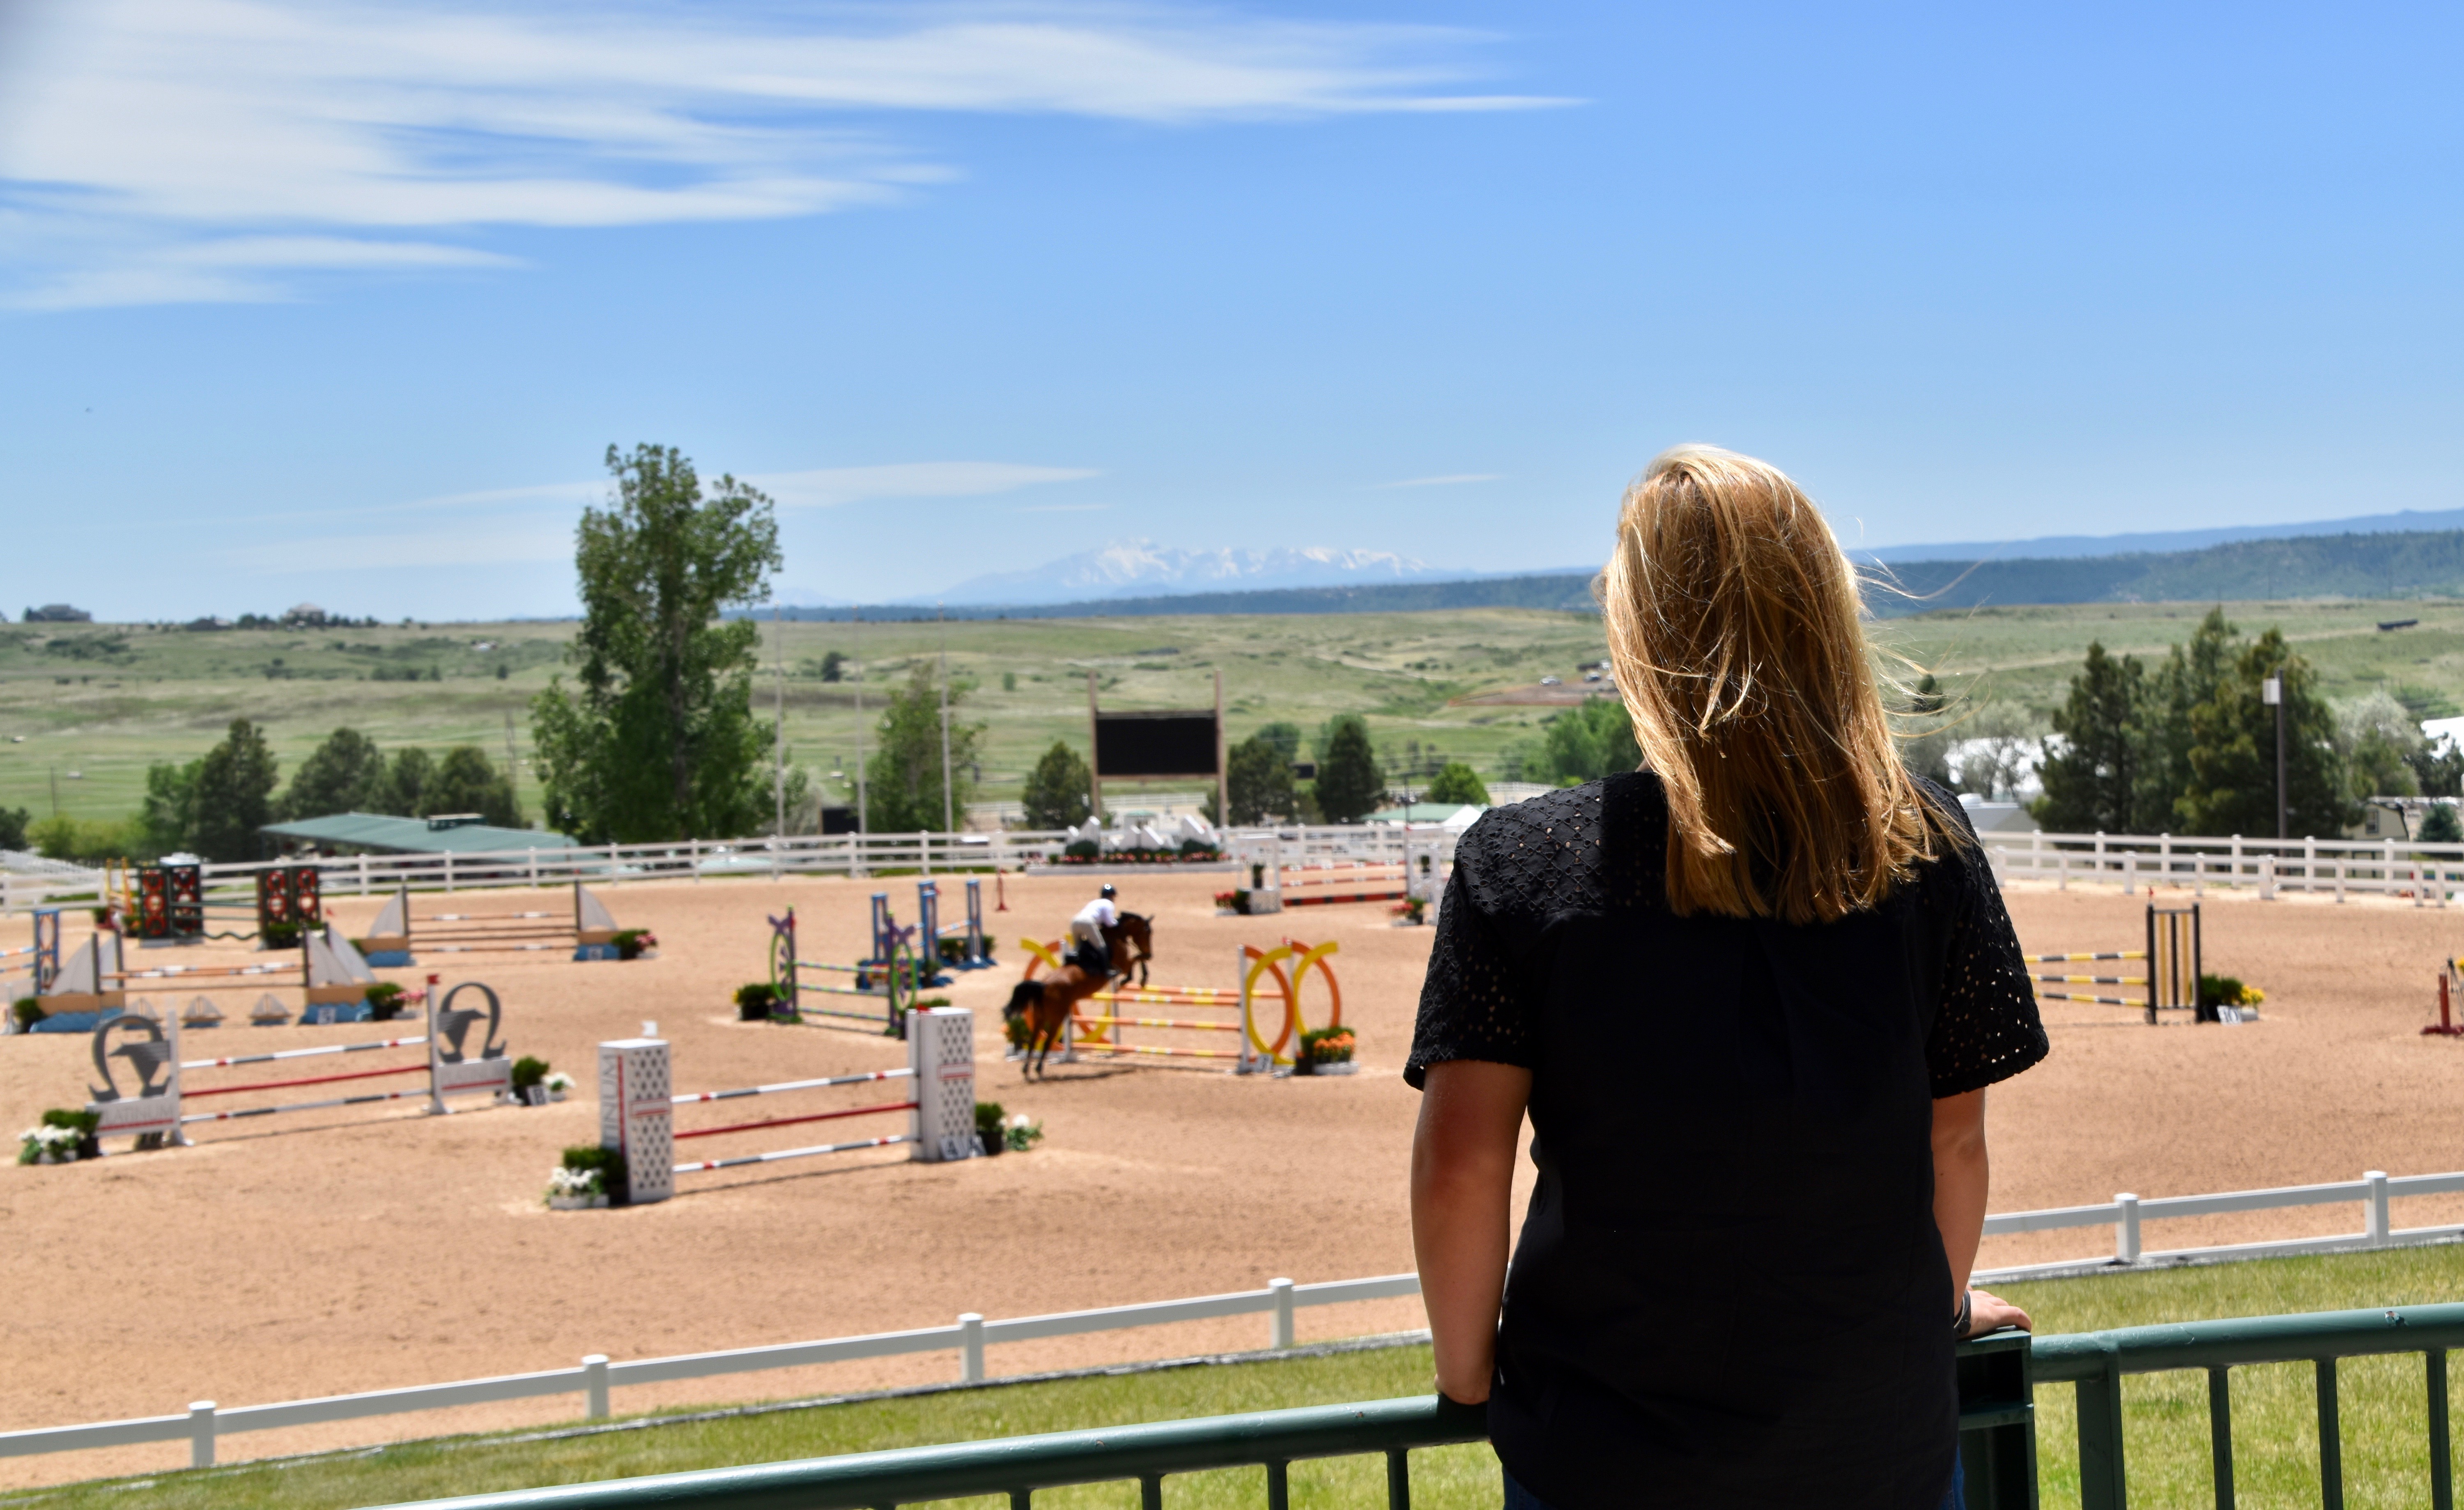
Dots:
pixel 2395 565
pixel 83 708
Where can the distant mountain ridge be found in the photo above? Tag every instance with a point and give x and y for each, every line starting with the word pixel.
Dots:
pixel 2054 548
pixel 2395 564
pixel 1136 569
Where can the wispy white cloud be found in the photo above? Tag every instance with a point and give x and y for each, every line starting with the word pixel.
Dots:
pixel 183 149
pixel 1449 480
pixel 516 526
pixel 464 546
pixel 1062 508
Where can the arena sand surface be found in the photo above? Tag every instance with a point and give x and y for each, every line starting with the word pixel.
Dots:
pixel 372 1247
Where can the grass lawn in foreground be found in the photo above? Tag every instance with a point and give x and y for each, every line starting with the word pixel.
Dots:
pixel 2275 1425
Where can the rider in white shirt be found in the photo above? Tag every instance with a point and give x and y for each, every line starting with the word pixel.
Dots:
pixel 1094 955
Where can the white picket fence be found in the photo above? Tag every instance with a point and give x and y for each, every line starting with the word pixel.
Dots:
pixel 603 865
pixel 596 1376
pixel 2426 873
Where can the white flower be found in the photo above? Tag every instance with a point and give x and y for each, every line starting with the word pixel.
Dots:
pixel 52 1138
pixel 558 1080
pixel 1021 1121
pixel 561 1181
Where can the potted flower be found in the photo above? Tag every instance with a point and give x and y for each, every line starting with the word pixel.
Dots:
pixel 25 1011
pixel 761 1002
pixel 1324 1051
pixel 1412 910
pixel 61 1136
pixel 384 1001
pixel 992 1128
pixel 1233 901
pixel 588 1177
pixel 632 944
pixel 1020 1133
pixel 557 1085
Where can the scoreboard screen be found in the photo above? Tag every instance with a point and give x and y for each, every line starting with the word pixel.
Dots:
pixel 1167 743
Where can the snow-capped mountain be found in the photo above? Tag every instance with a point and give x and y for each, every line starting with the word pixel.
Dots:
pixel 1139 568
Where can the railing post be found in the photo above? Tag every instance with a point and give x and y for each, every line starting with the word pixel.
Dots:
pixel 594 1386
pixel 2125 1228
pixel 2331 1440
pixel 1282 1291
pixel 2220 1452
pixel 2267 877
pixel 2374 1208
pixel 2104 1484
pixel 201 1434
pixel 2442 1467
pixel 971 1348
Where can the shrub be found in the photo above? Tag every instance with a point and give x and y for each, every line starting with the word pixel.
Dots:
pixel 27 1010
pixel 989 1118
pixel 1083 850
pixel 384 1000
pixel 632 943
pixel 2226 991
pixel 1197 848
pixel 528 1071
pixel 759 1002
pixel 279 936
pixel 607 1164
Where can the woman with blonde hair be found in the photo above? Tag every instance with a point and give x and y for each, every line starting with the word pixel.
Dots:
pixel 1750 996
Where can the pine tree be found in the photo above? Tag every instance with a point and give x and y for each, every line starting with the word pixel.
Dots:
pixel 2233 755
pixel 2093 781
pixel 235 795
pixel 1349 785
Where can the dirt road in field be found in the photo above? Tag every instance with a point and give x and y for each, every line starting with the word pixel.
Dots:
pixel 358 1250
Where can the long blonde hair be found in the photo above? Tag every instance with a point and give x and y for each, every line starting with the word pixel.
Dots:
pixel 1734 629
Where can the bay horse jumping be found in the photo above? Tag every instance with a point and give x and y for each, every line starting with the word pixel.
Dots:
pixel 1047 1004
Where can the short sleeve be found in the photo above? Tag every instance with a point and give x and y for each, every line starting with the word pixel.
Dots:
pixel 1474 1005
pixel 1985 1026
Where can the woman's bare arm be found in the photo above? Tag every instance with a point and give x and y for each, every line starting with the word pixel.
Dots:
pixel 1962 1178
pixel 1462 1183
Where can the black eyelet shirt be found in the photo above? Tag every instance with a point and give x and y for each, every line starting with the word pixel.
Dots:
pixel 1729 1289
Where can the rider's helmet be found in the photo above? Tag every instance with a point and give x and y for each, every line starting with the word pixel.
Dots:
pixel 1111 891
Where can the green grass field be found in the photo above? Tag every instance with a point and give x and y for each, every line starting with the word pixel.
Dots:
pixel 2275 1425
pixel 84 708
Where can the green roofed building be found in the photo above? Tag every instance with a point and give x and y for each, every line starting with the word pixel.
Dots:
pixel 447 833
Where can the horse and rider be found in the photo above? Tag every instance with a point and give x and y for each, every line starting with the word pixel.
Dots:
pixel 1106 945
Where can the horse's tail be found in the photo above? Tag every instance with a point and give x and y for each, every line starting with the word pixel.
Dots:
pixel 1026 997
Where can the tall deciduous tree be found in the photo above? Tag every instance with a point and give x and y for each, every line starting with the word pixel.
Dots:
pixel 1258 776
pixel 1586 742
pixel 1060 790
pixel 659 739
pixel 233 796
pixel 903 775
pixel 1457 782
pixel 404 790
pixel 166 817
pixel 1349 784
pixel 341 775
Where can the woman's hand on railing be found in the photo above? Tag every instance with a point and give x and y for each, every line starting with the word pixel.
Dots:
pixel 1987 1312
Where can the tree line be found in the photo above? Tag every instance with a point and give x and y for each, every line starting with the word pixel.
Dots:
pixel 2186 745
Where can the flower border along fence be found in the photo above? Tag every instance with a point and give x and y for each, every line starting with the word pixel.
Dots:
pixel 1997 1377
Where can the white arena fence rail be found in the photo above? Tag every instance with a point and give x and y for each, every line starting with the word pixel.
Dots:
pixel 597 1376
pixel 607 865
pixel 2385 867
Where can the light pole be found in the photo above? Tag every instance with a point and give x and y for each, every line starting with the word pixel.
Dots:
pixel 2272 693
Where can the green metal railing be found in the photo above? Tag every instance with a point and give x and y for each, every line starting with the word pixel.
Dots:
pixel 2094 1361
pixel 1997 1377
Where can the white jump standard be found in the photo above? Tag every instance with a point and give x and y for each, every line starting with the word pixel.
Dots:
pixel 637 1105
pixel 156 1113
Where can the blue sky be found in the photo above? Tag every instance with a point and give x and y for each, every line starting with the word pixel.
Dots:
pixel 343 303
